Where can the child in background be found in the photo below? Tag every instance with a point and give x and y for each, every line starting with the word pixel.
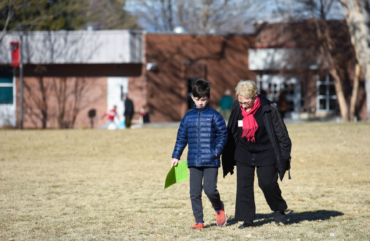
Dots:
pixel 111 115
pixel 145 114
pixel 204 130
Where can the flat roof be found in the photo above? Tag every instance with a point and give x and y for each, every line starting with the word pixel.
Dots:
pixel 72 47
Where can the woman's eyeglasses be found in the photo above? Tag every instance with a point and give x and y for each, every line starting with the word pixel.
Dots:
pixel 247 103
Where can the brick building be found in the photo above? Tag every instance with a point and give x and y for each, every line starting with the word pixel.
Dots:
pixel 286 57
pixel 68 74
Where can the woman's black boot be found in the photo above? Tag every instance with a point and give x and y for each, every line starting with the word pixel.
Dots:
pixel 280 218
pixel 246 224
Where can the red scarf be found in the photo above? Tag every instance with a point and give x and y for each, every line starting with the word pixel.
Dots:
pixel 250 125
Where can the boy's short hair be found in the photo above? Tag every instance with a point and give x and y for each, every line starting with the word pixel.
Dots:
pixel 201 88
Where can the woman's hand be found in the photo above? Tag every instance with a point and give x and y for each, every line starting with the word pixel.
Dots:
pixel 174 162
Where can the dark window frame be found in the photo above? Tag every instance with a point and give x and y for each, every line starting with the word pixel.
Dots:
pixel 326 98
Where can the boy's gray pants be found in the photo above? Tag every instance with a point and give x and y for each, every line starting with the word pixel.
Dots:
pixel 209 174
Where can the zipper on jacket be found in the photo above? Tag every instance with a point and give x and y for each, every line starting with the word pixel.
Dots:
pixel 198 156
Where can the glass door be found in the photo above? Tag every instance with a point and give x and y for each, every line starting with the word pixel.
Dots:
pixel 286 87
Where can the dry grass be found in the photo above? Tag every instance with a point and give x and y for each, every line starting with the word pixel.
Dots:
pixel 94 185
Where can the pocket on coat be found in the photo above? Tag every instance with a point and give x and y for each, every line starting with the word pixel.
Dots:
pixel 214 149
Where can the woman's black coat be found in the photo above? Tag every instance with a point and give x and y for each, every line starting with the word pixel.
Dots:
pixel 276 130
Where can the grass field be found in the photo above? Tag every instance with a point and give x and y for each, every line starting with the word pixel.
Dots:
pixel 98 185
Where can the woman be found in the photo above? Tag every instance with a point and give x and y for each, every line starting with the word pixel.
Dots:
pixel 258 139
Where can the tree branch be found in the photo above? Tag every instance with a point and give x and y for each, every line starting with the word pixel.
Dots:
pixel 10 15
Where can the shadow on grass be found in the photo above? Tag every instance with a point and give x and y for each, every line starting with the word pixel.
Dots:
pixel 292 217
pixel 210 225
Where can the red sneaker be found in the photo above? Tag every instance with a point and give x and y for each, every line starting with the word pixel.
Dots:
pixel 198 226
pixel 221 218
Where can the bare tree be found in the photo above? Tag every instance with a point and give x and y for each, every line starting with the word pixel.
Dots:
pixel 37 92
pixel 318 11
pixel 204 16
pixel 78 94
pixel 59 87
pixel 321 40
pixel 9 16
pixel 70 94
pixel 358 17
pixel 55 101
pixel 326 49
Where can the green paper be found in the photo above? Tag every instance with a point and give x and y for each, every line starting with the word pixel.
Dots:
pixel 177 174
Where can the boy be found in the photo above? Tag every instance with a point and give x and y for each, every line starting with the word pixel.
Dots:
pixel 205 131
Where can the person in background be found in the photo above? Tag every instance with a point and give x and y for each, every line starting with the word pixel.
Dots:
pixel 145 114
pixel 225 104
pixel 129 110
pixel 111 115
pixel 282 104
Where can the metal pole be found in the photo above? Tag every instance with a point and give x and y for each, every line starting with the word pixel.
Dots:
pixel 21 82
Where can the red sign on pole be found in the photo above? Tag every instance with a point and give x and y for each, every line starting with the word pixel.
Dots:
pixel 15 53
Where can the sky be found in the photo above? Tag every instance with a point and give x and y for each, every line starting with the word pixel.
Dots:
pixel 272 11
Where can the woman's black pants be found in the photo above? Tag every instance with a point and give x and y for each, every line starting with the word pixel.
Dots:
pixel 245 207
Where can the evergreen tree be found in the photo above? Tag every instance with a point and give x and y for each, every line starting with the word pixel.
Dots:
pixel 52 15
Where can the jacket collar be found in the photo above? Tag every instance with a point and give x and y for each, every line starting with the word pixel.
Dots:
pixel 235 110
pixel 201 110
pixel 265 105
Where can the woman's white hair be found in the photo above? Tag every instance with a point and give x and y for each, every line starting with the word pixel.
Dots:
pixel 246 88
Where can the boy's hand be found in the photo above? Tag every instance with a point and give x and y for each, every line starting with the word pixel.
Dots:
pixel 174 162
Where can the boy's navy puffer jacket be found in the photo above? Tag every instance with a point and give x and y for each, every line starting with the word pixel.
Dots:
pixel 205 131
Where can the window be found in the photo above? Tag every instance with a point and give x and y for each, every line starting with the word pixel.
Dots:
pixel 326 95
pixel 6 90
pixel 6 95
pixel 6 80
pixel 272 85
